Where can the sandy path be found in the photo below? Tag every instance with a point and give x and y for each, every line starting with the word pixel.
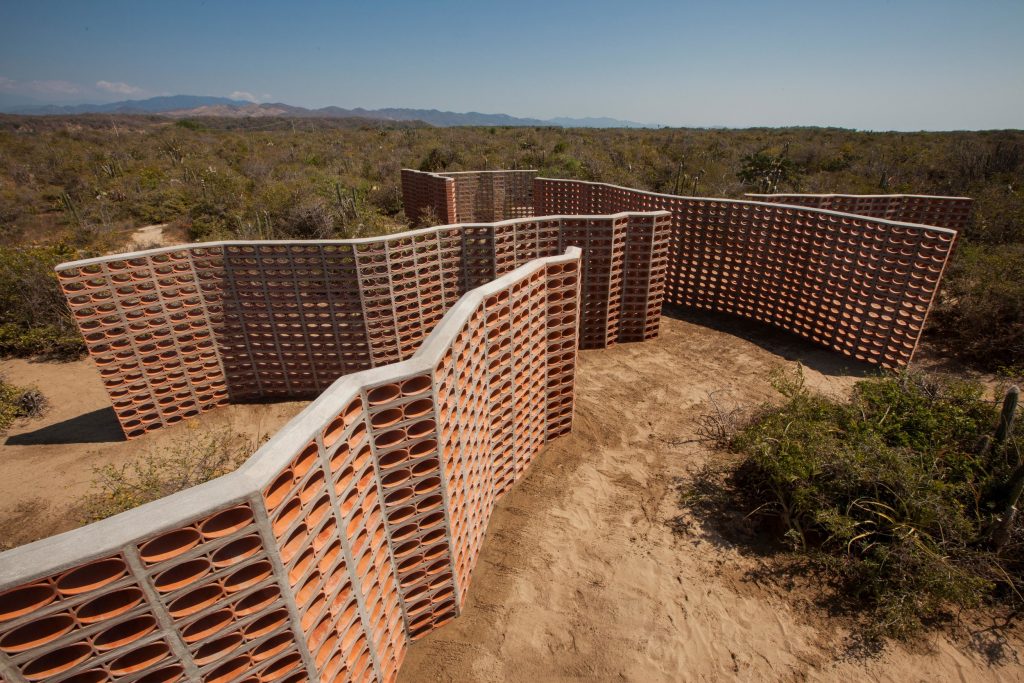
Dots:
pixel 148 236
pixel 581 577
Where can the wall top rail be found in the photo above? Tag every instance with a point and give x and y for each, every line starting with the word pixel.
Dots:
pixel 762 204
pixel 853 196
pixel 405 234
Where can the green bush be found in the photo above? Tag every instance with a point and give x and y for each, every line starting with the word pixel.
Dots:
pixel 194 459
pixel 48 340
pixel 980 316
pixel 34 316
pixel 887 494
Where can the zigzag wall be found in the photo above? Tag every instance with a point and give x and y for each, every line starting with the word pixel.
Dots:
pixel 178 331
pixel 942 212
pixel 357 527
pixel 353 531
pixel 468 196
pixel 859 285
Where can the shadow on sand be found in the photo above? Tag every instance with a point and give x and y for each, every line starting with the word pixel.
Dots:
pixel 98 426
pixel 777 341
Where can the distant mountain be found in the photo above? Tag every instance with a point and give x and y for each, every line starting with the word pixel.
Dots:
pixel 154 105
pixel 186 106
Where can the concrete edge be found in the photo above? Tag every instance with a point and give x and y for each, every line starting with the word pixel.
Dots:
pixel 80 263
pixel 796 207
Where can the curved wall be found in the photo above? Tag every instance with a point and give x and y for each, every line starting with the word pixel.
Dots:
pixel 942 212
pixel 357 527
pixel 457 197
pixel 861 286
pixel 181 330
pixel 351 532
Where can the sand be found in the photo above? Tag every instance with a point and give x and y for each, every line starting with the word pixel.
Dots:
pixel 582 575
pixel 47 463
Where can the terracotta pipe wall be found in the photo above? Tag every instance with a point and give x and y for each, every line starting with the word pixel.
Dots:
pixel 942 212
pixel 468 196
pixel 858 285
pixel 354 530
pixel 178 331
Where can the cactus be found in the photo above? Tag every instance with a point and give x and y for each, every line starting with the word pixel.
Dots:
pixel 1015 486
pixel 1009 411
pixel 69 207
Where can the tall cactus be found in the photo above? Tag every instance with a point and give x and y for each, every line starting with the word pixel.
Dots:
pixel 1004 430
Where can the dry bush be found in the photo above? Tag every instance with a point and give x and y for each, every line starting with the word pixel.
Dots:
pixel 18 403
pixel 722 421
pixel 197 458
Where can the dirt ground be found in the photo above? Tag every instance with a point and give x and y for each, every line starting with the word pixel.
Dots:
pixel 582 577
pixel 47 463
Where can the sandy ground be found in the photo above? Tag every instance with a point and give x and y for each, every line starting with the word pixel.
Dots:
pixel 148 236
pixel 582 577
pixel 47 463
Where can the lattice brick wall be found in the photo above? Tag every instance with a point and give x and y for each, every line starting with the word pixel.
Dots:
pixel 428 194
pixel 942 212
pixel 859 285
pixel 353 531
pixel 178 331
pixel 468 196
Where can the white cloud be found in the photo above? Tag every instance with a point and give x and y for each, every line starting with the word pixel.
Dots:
pixel 118 87
pixel 243 95
pixel 54 87
pixel 40 87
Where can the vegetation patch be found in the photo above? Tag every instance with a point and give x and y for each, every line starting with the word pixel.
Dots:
pixel 34 315
pixel 901 498
pixel 196 458
pixel 19 402
pixel 90 180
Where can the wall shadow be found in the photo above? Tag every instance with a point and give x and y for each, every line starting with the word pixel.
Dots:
pixel 98 426
pixel 783 343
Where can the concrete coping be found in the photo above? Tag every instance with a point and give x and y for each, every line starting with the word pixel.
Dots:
pixel 353 242
pixel 449 174
pixel 772 205
pixel 857 196
pixel 52 555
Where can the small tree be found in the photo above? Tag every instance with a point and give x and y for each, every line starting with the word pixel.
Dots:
pixel 764 172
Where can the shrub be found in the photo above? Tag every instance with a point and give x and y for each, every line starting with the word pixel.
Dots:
pixel 47 340
pixel 439 159
pixel 18 402
pixel 887 494
pixel 980 316
pixel 34 314
pixel 197 458
pixel 765 172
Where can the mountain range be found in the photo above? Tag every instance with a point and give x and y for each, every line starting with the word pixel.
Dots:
pixel 187 106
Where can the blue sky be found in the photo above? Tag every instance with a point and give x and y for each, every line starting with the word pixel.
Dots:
pixel 897 65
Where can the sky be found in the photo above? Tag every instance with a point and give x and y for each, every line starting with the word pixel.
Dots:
pixel 872 64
